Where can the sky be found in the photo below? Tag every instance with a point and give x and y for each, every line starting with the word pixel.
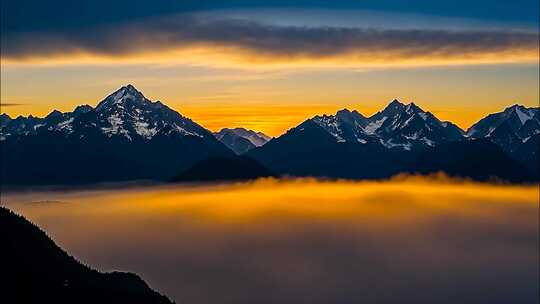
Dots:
pixel 269 65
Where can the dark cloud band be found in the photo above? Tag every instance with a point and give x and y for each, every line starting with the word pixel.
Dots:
pixel 266 40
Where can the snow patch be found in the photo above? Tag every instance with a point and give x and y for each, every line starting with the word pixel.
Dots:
pixel 65 125
pixel 143 130
pixel 372 127
pixel 38 126
pixel 116 126
pixel 523 117
pixel 185 132
pixel 491 129
pixel 428 142
pixel 329 123
pixel 389 144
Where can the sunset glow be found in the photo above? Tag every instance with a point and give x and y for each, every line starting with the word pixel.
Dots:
pixel 300 231
pixel 269 152
pixel 243 67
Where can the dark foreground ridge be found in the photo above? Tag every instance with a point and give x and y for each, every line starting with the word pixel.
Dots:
pixel 225 169
pixel 36 270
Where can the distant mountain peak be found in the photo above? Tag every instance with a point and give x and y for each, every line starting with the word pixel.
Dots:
pixel 413 108
pixel 344 111
pixel 350 115
pixel 121 96
pixel 524 114
pixel 394 107
pixel 514 106
pixel 129 88
pixel 512 130
pixel 4 120
pixel 82 109
pixel 517 116
pixel 396 102
pixel 125 113
pixel 53 114
pixel 241 140
pixel 398 125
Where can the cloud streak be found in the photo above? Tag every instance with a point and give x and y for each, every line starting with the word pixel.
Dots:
pixel 255 43
pixel 11 104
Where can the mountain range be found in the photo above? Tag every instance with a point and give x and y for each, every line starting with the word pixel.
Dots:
pixel 405 138
pixel 128 137
pixel 398 125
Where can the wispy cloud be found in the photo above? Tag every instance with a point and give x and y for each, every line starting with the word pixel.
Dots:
pixel 250 42
pixel 11 104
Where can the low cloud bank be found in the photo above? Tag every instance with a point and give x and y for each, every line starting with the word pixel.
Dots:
pixel 410 239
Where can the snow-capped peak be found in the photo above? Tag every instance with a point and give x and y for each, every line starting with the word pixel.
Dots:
pixel 509 128
pixel 411 108
pixel 126 113
pixel 397 125
pixel 522 113
pixel 121 96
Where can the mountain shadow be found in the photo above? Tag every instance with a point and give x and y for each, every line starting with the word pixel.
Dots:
pixel 35 270
pixel 308 150
pixel 480 160
pixel 224 169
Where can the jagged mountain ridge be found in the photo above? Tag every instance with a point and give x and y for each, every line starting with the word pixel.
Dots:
pixel 125 137
pixel 309 150
pixel 36 270
pixel 520 118
pixel 516 130
pixel 401 138
pixel 397 126
pixel 125 114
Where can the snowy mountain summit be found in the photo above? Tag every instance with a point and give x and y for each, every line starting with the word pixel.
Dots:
pixel 516 130
pixel 129 137
pixel 518 120
pixel 125 114
pixel 397 126
pixel 125 137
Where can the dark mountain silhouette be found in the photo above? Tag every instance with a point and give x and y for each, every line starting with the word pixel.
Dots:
pixel 36 270
pixel 529 153
pixel 309 150
pixel 397 126
pixel 224 169
pixel 126 137
pixel 475 159
pixel 515 131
